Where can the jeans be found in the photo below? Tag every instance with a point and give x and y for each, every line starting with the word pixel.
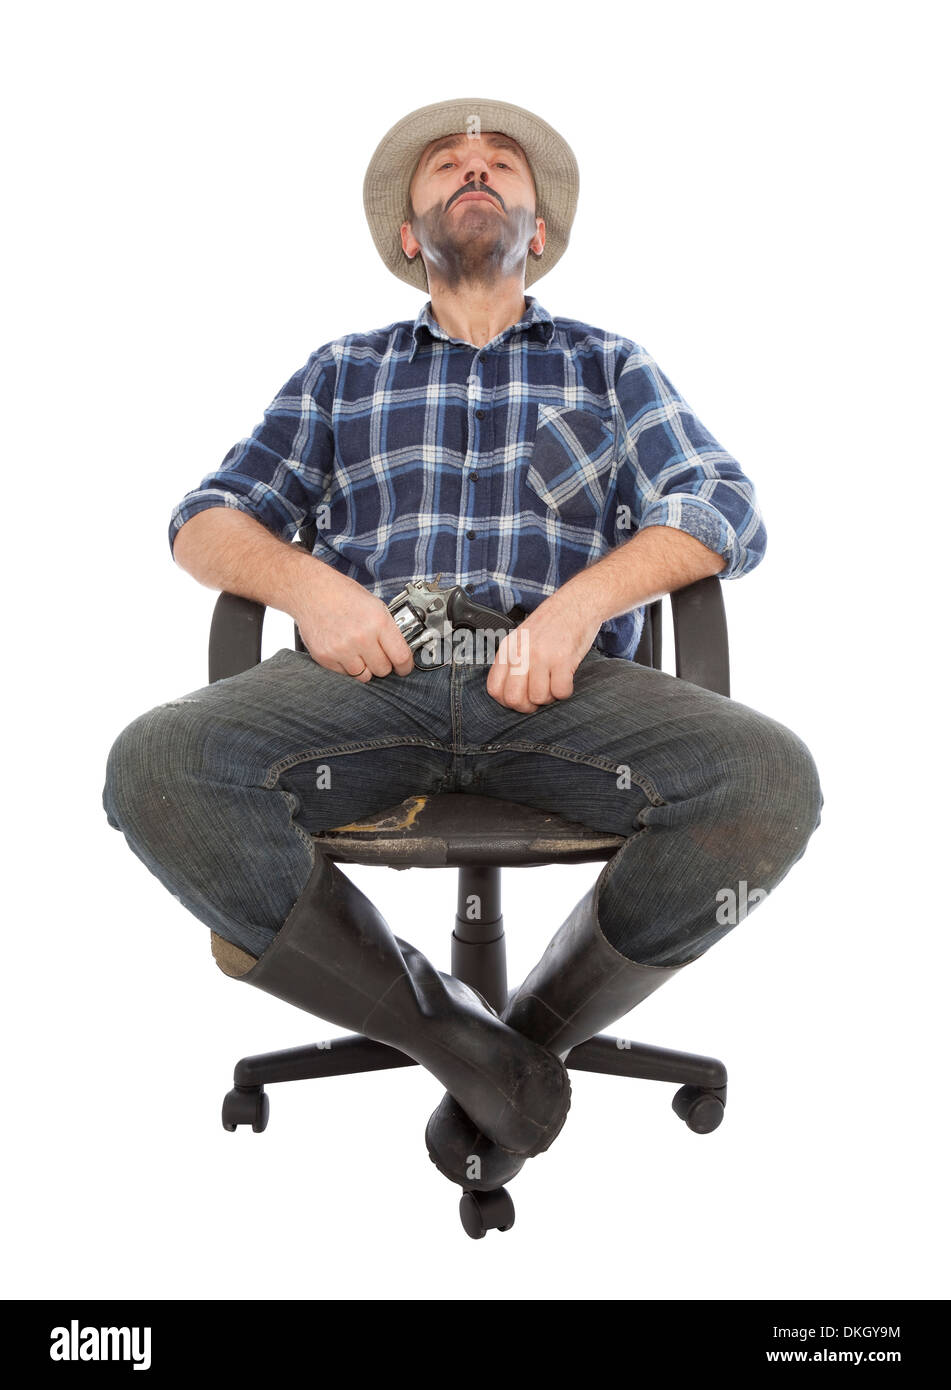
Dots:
pixel 221 791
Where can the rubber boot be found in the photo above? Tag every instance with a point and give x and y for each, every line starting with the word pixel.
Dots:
pixel 580 985
pixel 336 957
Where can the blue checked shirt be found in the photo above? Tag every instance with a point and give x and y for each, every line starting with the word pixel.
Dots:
pixel 506 468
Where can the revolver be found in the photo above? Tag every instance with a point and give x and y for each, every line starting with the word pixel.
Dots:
pixel 427 617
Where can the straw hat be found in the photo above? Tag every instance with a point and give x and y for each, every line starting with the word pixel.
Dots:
pixel 387 180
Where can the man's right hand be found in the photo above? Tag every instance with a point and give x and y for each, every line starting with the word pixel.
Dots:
pixel 350 630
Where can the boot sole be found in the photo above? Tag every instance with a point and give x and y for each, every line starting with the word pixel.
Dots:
pixel 467 1185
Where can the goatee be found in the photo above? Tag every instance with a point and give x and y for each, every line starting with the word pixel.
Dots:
pixel 469 256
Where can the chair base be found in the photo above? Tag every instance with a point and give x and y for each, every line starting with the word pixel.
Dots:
pixel 699 1103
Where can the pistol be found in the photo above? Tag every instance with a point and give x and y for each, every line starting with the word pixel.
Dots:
pixel 427 616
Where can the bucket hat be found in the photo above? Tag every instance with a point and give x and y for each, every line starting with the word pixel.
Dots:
pixel 391 168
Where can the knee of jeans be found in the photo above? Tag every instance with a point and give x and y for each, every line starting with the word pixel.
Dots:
pixel 776 779
pixel 148 754
pixel 764 801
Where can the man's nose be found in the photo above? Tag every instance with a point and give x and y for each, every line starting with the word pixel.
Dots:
pixel 476 168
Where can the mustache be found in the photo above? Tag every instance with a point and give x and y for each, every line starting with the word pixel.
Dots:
pixel 471 187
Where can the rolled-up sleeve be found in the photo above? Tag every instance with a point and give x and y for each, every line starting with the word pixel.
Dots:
pixel 280 473
pixel 672 472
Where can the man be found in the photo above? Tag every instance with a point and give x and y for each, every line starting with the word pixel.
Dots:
pixel 552 469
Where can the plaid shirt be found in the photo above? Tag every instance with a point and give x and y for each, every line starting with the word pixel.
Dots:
pixel 506 468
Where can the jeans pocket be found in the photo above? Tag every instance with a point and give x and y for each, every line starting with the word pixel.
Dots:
pixel 571 462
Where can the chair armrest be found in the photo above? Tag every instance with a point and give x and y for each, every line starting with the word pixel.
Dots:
pixel 701 646
pixel 234 644
pixel 237 626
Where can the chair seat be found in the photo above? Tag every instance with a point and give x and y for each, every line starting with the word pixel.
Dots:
pixel 452 829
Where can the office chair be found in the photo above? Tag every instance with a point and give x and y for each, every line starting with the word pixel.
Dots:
pixel 480 836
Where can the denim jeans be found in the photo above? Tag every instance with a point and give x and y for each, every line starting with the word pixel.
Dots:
pixel 221 791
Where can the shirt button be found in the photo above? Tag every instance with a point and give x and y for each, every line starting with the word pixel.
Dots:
pixel 470 588
pixel 465 778
pixel 473 477
pixel 470 535
pixel 480 414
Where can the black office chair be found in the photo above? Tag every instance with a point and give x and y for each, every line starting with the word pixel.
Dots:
pixel 479 836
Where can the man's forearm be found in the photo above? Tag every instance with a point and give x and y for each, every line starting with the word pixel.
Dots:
pixel 228 550
pixel 654 562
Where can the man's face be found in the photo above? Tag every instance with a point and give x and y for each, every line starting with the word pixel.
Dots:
pixel 473 200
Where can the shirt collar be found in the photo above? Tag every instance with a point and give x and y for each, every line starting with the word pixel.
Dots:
pixel 535 320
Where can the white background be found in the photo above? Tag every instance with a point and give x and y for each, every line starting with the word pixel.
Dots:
pixel 761 208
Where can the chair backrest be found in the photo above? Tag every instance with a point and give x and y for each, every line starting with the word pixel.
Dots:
pixel 649 648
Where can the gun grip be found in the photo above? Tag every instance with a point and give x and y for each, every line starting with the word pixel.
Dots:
pixel 464 613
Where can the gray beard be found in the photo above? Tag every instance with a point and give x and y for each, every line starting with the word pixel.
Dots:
pixel 456 259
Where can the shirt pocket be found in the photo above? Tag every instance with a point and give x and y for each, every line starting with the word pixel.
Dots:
pixel 571 462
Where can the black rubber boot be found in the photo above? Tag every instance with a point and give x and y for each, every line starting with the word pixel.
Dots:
pixel 581 984
pixel 336 957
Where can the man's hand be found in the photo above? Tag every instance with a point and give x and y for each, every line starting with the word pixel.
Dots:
pixel 536 663
pixel 348 629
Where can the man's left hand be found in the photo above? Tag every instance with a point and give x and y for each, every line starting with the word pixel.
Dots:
pixel 535 664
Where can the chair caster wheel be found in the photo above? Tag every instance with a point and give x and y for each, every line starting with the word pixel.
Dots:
pixel 245 1105
pixel 700 1110
pixel 486 1211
